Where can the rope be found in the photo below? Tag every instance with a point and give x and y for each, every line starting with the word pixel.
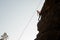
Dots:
pixel 25 27
pixel 27 23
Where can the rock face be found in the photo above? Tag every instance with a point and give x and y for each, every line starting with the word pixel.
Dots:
pixel 49 25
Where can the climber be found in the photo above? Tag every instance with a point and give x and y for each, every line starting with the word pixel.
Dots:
pixel 38 14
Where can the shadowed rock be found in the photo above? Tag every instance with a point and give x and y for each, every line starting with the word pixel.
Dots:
pixel 49 25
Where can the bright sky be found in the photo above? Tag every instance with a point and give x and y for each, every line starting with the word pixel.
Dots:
pixel 15 15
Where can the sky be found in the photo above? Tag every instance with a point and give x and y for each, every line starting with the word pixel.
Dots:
pixel 18 18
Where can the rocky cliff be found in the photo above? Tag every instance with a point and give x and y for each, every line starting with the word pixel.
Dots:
pixel 49 25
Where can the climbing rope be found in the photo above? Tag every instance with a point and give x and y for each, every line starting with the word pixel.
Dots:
pixel 27 24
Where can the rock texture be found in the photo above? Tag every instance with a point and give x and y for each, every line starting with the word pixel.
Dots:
pixel 49 25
